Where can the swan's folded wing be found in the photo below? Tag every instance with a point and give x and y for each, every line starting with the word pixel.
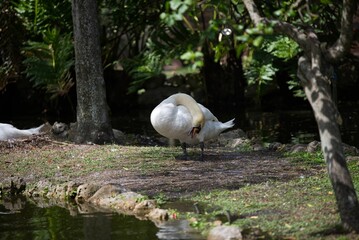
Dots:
pixel 208 115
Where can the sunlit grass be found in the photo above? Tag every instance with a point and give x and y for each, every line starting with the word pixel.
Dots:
pixel 77 160
pixel 302 208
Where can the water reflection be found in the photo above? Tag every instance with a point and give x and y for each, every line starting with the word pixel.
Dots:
pixel 21 219
pixel 179 229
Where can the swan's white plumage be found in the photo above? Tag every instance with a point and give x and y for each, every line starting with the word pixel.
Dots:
pixel 8 132
pixel 175 121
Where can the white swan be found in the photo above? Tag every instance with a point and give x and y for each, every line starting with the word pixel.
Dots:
pixel 181 117
pixel 8 132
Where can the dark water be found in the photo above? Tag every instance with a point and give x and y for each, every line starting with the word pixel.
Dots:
pixel 25 220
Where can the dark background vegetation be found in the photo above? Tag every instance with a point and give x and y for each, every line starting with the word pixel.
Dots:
pixel 148 54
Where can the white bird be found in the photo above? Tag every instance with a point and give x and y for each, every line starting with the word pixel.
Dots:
pixel 8 132
pixel 181 117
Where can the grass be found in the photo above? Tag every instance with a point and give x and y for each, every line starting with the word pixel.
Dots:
pixel 74 161
pixel 303 208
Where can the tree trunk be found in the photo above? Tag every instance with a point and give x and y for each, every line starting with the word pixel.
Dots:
pixel 313 71
pixel 93 121
pixel 317 89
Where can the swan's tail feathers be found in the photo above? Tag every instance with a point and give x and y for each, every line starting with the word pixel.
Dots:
pixel 36 130
pixel 229 124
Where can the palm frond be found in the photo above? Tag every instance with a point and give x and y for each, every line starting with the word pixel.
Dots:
pixel 48 63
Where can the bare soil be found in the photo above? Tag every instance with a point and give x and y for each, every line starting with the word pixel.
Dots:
pixel 222 168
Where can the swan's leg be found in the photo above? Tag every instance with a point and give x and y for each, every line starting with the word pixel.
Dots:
pixel 201 144
pixel 184 148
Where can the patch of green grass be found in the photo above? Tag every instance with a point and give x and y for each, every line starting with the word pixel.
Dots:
pixel 149 159
pixel 311 159
pixel 161 199
pixel 303 208
pixel 75 160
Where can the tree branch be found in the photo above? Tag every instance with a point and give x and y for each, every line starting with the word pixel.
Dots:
pixel 283 28
pixel 253 12
pixel 342 45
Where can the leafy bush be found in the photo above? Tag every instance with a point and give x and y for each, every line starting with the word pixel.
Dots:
pixel 39 15
pixel 48 63
pixel 142 68
pixel 11 37
pixel 259 66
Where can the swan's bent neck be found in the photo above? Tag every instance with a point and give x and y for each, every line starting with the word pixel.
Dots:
pixel 193 108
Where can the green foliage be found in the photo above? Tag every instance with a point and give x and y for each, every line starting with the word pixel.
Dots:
pixel 282 47
pixel 142 68
pixel 259 70
pixel 151 33
pixel 295 86
pixel 175 10
pixel 39 15
pixel 282 209
pixel 4 73
pixel 127 26
pixel 162 46
pixel 259 66
pixel 246 38
pixel 286 49
pixel 194 58
pixel 161 199
pixel 11 38
pixel 48 63
pixel 306 158
pixel 48 57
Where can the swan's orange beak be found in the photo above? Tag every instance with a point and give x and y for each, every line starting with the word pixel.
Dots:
pixel 194 131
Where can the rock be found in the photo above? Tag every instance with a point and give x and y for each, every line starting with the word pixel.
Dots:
pixel 234 143
pixel 313 146
pixel 12 186
pixel 105 195
pixel 276 146
pixel 233 134
pixel 60 129
pixel 233 138
pixel 144 207
pixel 85 191
pixel 158 214
pixel 71 190
pixel 13 204
pixel 119 136
pixel 298 148
pixel 40 189
pixel 126 201
pixel 258 147
pixel 225 233
pixel 350 150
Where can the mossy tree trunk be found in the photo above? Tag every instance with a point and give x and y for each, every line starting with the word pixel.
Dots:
pixel 93 121
pixel 314 72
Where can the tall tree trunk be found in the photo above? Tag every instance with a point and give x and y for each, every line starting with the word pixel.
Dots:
pixel 317 89
pixel 93 121
pixel 313 73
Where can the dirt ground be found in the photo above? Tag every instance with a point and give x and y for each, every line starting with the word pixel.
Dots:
pixel 222 168
pixel 219 170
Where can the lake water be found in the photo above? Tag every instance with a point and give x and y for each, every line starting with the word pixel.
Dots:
pixel 21 219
